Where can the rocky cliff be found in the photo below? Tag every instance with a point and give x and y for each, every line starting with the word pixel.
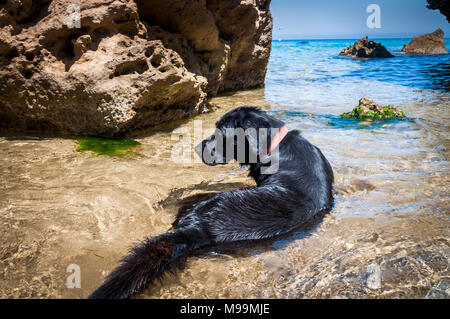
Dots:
pixel 107 67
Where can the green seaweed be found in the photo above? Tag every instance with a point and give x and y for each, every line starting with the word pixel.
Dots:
pixel 388 113
pixel 106 146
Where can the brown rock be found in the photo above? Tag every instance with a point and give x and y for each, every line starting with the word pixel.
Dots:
pixel 81 45
pixel 366 49
pixel 431 43
pixel 367 105
pixel 127 65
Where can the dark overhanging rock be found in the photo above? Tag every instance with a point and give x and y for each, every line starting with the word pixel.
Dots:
pixel 129 66
pixel 442 5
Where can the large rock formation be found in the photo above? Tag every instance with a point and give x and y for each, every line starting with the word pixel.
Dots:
pixel 442 5
pixel 366 49
pixel 431 43
pixel 107 67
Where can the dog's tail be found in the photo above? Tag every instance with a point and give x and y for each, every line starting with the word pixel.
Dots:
pixel 147 262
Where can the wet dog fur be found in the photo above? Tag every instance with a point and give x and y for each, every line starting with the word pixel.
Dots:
pixel 299 191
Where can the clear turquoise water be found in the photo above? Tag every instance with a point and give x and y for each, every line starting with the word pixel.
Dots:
pixel 308 86
pixel 308 75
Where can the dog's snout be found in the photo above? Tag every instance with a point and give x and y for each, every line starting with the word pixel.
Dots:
pixel 206 146
pixel 206 150
pixel 199 149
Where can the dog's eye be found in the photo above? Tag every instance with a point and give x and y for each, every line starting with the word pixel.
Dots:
pixel 247 123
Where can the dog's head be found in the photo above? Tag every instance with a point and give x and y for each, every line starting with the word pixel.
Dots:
pixel 242 134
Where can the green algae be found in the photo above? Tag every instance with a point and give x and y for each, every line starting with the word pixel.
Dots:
pixel 106 146
pixel 389 112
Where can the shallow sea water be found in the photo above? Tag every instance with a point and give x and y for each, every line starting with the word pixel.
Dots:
pixel 386 237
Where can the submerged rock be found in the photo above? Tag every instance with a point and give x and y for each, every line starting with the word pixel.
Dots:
pixel 368 109
pixel 440 291
pixel 107 67
pixel 105 146
pixel 431 43
pixel 366 49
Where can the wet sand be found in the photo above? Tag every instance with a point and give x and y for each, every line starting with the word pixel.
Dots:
pixel 387 236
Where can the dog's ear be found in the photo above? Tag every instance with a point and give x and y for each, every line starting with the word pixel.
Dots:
pixel 259 128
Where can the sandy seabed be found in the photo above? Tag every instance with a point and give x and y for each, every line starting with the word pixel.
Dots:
pixel 387 235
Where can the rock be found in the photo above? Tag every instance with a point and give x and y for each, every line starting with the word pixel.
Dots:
pixel 367 105
pixel 366 49
pixel 81 45
pixel 368 109
pixel 442 5
pixel 125 65
pixel 431 43
pixel 440 291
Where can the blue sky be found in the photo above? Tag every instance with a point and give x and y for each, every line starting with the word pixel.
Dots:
pixel 328 19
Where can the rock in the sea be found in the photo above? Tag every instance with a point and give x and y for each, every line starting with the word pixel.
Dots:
pixel 107 67
pixel 366 49
pixel 431 43
pixel 368 109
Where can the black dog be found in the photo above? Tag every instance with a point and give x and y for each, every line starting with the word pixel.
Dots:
pixel 299 189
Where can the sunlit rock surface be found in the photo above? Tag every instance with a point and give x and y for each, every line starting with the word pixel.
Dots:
pixel 431 43
pixel 110 67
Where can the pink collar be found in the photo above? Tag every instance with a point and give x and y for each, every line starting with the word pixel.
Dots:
pixel 278 138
